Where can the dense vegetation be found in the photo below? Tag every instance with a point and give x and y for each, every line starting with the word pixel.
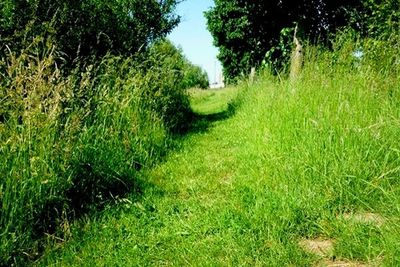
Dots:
pixel 302 173
pixel 250 32
pixel 92 96
pixel 69 142
pixel 85 29
pixel 90 92
pixel 193 76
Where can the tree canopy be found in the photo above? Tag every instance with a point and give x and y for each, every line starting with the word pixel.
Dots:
pixel 87 28
pixel 190 75
pixel 244 31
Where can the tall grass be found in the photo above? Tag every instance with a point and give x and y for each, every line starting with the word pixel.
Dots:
pixel 327 145
pixel 292 163
pixel 69 142
pixel 336 127
pixel 298 160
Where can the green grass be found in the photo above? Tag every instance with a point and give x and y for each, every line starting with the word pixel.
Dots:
pixel 70 144
pixel 211 101
pixel 293 162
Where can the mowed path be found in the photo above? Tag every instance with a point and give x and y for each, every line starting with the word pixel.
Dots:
pixel 190 211
pixel 215 202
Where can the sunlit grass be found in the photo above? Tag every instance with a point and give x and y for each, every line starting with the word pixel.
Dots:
pixel 263 169
pixel 211 100
pixel 312 159
pixel 71 144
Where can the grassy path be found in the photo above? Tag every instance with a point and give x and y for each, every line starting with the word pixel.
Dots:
pixel 282 182
pixel 191 210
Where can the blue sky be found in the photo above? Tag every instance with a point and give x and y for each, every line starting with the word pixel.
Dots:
pixel 194 38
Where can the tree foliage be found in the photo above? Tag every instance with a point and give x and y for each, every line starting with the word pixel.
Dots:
pixel 378 19
pixel 190 75
pixel 88 28
pixel 245 30
pixel 195 76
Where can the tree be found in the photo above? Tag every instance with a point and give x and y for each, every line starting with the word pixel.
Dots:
pixel 378 19
pixel 245 30
pixel 195 76
pixel 87 28
pixel 229 24
pixel 190 75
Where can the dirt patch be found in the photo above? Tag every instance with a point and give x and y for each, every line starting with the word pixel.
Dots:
pixel 320 247
pixel 324 248
pixel 341 263
pixel 365 217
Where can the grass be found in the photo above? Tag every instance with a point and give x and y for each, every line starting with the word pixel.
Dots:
pixel 296 161
pixel 69 144
pixel 211 101
pixel 274 173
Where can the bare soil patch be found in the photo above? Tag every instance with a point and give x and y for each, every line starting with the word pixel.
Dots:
pixel 342 263
pixel 325 249
pixel 318 246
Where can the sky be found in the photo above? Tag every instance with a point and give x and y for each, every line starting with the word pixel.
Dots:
pixel 194 38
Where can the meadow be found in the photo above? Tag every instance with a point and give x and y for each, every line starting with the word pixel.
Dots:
pixel 272 173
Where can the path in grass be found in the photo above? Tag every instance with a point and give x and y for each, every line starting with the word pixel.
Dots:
pixel 191 211
pixel 231 196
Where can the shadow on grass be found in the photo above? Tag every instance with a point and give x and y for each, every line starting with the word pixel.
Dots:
pixel 91 191
pixel 94 189
pixel 201 123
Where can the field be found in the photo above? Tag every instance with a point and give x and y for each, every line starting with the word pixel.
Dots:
pixel 273 173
